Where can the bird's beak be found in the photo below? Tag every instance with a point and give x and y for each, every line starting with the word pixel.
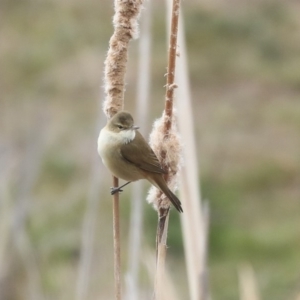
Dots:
pixel 135 127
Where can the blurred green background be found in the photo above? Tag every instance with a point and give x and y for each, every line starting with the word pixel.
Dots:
pixel 244 59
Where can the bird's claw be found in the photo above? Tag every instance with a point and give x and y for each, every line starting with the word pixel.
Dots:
pixel 114 190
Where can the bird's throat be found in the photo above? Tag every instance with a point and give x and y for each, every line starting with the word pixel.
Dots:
pixel 127 136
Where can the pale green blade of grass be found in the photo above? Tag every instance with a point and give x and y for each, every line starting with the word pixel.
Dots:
pixel 169 290
pixel 29 170
pixel 89 227
pixel 194 226
pixel 247 283
pixel 136 218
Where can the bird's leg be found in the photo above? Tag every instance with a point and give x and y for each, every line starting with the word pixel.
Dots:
pixel 114 190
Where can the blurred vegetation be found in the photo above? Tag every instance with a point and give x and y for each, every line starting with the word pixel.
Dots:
pixel 244 63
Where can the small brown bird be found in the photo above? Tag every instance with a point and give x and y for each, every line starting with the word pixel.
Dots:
pixel 128 156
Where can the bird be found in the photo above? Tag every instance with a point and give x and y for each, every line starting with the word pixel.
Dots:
pixel 126 153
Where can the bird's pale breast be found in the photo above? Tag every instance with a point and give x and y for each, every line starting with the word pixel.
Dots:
pixel 109 149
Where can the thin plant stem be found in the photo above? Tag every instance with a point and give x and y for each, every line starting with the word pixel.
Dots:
pixel 142 111
pixel 163 212
pixel 247 283
pixel 171 65
pixel 125 29
pixel 196 216
pixel 117 247
pixel 88 229
pixel 169 291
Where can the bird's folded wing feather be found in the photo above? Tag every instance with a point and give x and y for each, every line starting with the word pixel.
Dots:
pixel 139 153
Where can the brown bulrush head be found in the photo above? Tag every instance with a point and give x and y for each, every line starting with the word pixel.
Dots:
pixel 126 28
pixel 168 150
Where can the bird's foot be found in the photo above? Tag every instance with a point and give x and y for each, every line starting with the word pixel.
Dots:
pixel 114 190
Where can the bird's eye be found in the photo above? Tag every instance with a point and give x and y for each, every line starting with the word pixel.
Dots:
pixel 120 126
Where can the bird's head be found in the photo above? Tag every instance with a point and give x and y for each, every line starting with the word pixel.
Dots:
pixel 122 123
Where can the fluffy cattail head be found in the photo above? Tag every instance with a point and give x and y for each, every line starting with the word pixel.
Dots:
pixel 168 150
pixel 126 28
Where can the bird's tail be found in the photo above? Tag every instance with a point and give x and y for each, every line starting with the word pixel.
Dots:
pixel 173 198
pixel 161 184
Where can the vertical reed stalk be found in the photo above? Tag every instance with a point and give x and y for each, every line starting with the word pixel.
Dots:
pixel 117 247
pixel 171 66
pixel 89 228
pixel 29 172
pixel 169 291
pixel 161 252
pixel 195 220
pixel 164 208
pixel 142 101
pixel 125 29
pixel 247 283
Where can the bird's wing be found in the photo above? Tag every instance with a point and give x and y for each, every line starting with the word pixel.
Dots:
pixel 139 153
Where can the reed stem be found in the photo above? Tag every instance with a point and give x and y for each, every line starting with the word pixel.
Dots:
pixel 117 247
pixel 163 212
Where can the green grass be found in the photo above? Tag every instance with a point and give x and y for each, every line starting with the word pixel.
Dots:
pixel 250 222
